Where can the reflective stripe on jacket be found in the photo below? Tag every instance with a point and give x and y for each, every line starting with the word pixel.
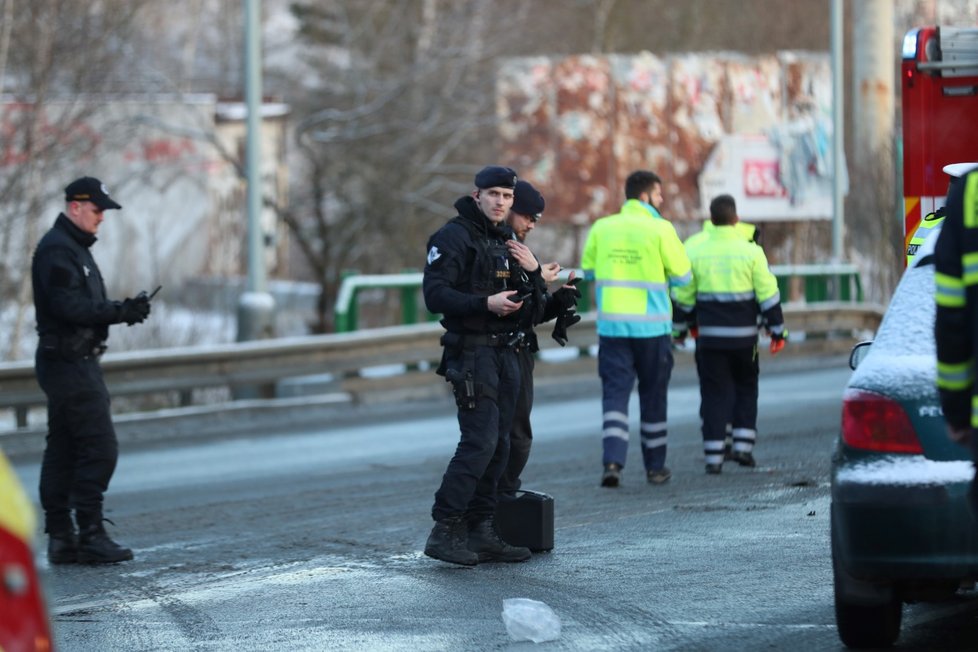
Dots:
pixel 924 229
pixel 731 285
pixel 635 257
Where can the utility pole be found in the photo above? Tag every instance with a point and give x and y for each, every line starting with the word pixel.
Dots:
pixel 873 100
pixel 255 306
pixel 838 131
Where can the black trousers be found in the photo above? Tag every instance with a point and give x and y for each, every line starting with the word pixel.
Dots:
pixel 521 435
pixel 728 395
pixel 81 450
pixel 468 487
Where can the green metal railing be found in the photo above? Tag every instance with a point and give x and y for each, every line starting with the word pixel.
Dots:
pixel 829 282
pixel 807 283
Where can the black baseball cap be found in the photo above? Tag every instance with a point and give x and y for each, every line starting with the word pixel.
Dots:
pixel 527 200
pixel 90 189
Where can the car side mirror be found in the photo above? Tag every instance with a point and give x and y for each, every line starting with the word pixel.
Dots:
pixel 859 353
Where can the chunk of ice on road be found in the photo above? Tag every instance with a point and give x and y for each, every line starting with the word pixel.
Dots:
pixel 530 620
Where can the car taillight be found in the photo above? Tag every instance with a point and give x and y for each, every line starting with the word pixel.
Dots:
pixel 876 423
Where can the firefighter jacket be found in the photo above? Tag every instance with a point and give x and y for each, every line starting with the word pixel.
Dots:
pixel 956 294
pixel 731 287
pixel 634 257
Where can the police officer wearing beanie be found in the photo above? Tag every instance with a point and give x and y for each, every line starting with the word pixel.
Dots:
pixel 469 280
pixel 73 318
pixel 528 207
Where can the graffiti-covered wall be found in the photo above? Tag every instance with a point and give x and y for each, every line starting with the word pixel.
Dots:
pixel 758 128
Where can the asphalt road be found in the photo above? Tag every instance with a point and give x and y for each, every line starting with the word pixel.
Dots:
pixel 312 541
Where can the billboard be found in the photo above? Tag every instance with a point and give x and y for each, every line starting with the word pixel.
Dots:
pixel 758 128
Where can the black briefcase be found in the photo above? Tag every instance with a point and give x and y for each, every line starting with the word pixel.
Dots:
pixel 527 520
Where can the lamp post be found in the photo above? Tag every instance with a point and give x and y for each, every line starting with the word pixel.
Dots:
pixel 255 305
pixel 838 124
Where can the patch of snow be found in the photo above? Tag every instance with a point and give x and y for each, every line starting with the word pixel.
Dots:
pixel 908 470
pixel 903 358
pixel 383 371
pixel 559 355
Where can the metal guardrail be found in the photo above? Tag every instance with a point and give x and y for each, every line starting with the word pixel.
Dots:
pixel 818 283
pixel 811 283
pixel 347 357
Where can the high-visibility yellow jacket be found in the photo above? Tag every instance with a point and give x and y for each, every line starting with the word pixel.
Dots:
pixel 731 286
pixel 924 229
pixel 956 294
pixel 747 231
pixel 634 257
pixel 16 512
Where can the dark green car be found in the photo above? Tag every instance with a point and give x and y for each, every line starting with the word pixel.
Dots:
pixel 901 527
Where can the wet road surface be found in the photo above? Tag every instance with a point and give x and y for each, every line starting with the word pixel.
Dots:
pixel 312 540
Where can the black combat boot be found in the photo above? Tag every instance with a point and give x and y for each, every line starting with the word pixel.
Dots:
pixel 447 542
pixel 744 458
pixel 95 546
pixel 485 541
pixel 63 547
pixel 611 476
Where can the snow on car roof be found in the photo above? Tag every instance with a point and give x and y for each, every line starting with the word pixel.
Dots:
pixel 908 470
pixel 902 360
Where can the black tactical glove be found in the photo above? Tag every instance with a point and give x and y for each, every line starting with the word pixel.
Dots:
pixel 567 296
pixel 134 311
pixel 564 321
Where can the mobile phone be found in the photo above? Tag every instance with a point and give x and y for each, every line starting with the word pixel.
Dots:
pixel 519 298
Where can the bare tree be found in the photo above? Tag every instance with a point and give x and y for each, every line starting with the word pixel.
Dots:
pixel 53 69
pixel 874 226
pixel 406 104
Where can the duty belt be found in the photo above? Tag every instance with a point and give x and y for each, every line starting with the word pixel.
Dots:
pixel 75 351
pixel 512 339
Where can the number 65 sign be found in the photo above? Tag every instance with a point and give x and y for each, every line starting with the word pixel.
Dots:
pixel 763 179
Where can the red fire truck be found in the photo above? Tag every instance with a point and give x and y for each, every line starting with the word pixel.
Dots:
pixel 940 102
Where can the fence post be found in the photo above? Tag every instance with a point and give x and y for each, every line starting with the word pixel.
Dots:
pixel 784 288
pixel 346 321
pixel 409 302
pixel 584 303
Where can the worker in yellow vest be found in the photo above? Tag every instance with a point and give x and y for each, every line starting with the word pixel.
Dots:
pixel 635 258
pixel 731 286
pixel 750 233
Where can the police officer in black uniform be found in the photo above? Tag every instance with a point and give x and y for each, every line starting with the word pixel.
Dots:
pixel 528 207
pixel 469 279
pixel 73 318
